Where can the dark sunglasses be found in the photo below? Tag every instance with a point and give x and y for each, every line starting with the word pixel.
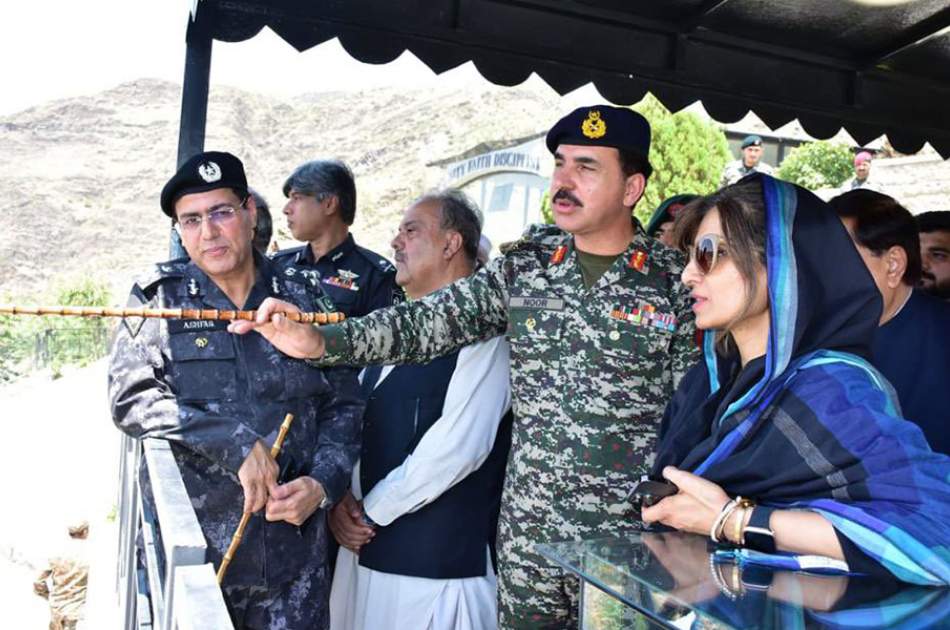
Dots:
pixel 706 252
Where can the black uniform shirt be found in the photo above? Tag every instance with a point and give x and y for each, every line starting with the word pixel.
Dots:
pixel 358 280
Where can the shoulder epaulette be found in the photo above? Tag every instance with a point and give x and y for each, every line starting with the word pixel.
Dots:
pixel 376 260
pixel 161 272
pixel 536 237
pixel 283 253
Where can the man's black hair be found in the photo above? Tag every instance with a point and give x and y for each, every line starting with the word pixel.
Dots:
pixel 882 223
pixel 934 221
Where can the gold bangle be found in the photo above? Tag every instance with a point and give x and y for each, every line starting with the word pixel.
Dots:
pixel 737 530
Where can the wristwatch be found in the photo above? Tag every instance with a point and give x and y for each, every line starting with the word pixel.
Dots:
pixel 758 534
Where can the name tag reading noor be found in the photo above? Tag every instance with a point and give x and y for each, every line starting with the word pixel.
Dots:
pixel 543 303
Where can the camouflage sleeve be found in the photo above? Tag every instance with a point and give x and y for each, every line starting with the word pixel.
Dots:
pixel 340 421
pixel 684 351
pixel 471 309
pixel 143 405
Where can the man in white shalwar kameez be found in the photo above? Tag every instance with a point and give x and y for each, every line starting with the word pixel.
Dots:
pixel 417 533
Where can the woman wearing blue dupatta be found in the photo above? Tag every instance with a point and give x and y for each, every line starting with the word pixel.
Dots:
pixel 786 441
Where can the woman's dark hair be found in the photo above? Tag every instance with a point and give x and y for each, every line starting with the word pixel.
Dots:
pixel 742 216
pixel 881 223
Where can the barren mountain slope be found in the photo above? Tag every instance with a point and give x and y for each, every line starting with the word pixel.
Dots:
pixel 81 177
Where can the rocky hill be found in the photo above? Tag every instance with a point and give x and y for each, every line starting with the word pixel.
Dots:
pixel 82 176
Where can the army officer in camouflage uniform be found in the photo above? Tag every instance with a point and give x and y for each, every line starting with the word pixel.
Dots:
pixel 600 331
pixel 219 399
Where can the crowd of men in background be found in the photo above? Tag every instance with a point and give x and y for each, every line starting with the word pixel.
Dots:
pixel 405 465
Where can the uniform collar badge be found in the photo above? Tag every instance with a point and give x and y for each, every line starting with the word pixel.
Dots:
pixel 594 126
pixel 638 260
pixel 275 287
pixel 336 256
pixel 559 255
pixel 289 271
pixel 193 289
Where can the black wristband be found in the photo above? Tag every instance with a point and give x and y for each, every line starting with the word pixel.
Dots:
pixel 758 534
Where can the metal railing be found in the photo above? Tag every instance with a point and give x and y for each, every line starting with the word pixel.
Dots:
pixel 177 588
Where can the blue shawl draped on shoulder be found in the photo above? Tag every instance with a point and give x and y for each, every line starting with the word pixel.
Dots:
pixel 813 425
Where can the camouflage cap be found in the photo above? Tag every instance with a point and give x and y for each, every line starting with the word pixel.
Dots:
pixel 203 172
pixel 603 126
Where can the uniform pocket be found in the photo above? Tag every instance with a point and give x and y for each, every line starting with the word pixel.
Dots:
pixel 203 365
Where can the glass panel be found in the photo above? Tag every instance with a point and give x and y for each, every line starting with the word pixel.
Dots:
pixel 676 580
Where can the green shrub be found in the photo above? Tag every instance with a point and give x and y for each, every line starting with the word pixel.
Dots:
pixel 28 342
pixel 815 165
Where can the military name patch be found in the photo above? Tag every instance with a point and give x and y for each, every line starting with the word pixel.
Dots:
pixel 646 315
pixel 544 303
pixel 176 326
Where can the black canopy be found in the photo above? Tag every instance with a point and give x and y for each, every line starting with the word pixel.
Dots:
pixel 871 66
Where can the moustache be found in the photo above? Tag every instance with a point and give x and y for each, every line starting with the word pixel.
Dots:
pixel 924 275
pixel 568 196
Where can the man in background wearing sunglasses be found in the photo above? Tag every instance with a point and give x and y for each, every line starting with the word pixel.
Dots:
pixel 219 399
pixel 601 331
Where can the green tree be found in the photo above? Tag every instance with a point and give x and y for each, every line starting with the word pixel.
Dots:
pixel 815 165
pixel 687 154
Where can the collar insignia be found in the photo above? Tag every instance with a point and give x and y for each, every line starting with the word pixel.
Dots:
pixel 336 256
pixel 192 287
pixel 274 286
pixel 594 126
pixel 289 271
pixel 558 254
pixel 638 260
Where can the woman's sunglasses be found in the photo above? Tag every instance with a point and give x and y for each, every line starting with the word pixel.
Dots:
pixel 706 252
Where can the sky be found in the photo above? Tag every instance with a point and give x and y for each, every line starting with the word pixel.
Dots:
pixel 54 49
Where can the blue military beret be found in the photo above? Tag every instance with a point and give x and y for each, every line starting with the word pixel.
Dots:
pixel 602 126
pixel 752 141
pixel 203 172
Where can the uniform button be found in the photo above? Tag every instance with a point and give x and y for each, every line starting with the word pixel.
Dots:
pixel 614 335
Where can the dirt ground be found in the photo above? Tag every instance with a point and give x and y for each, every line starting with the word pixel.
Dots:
pixel 59 468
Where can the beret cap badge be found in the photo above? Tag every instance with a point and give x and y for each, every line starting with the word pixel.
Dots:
pixel 209 171
pixel 594 126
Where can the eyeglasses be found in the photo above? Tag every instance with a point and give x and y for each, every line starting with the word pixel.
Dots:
pixel 706 252
pixel 219 216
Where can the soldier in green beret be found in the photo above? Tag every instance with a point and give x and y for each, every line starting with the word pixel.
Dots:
pixel 601 331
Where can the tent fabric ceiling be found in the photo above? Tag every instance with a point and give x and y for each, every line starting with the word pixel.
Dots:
pixel 871 66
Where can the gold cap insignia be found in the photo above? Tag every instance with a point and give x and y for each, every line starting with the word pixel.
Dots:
pixel 594 126
pixel 201 342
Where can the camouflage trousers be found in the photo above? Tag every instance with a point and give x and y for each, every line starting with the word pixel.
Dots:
pixel 301 604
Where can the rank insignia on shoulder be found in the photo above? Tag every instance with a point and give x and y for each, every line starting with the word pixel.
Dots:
pixel 638 260
pixel 559 255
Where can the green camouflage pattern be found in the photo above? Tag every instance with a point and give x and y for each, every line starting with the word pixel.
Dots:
pixel 588 390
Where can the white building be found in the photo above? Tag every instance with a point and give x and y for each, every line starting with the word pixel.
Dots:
pixel 507 179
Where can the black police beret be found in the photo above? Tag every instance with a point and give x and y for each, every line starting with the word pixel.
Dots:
pixel 203 172
pixel 752 141
pixel 602 126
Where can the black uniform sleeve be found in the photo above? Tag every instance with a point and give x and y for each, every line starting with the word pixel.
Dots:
pixel 340 421
pixel 143 405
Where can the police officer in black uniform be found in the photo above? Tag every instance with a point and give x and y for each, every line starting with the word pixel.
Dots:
pixel 321 206
pixel 218 399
